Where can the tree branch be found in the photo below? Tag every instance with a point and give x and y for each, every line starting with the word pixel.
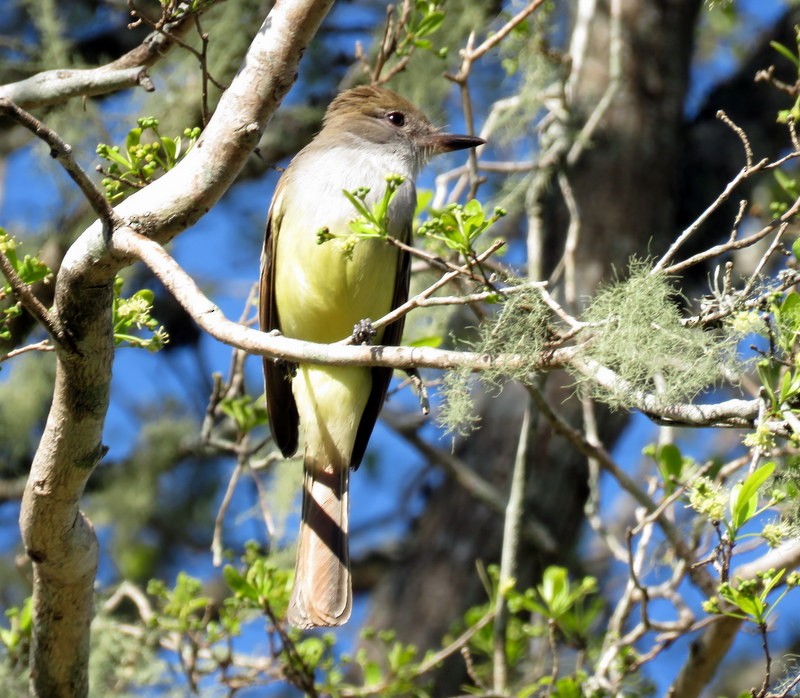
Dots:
pixel 57 536
pixel 57 86
pixel 62 152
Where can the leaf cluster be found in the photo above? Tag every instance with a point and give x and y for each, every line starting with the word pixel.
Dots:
pixel 426 19
pixel 141 161
pixel 560 607
pixel 746 599
pixel 459 226
pixel 135 313
pixel 30 270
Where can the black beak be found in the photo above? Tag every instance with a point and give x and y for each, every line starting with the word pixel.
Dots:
pixel 446 142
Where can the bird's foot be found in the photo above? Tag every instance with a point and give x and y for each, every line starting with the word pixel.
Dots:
pixel 363 332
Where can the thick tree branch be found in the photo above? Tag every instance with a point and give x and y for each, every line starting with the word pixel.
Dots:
pixel 730 413
pixel 57 86
pixel 213 321
pixel 58 538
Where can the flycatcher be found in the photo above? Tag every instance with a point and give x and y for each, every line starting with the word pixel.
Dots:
pixel 317 293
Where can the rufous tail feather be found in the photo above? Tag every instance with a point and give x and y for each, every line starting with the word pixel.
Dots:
pixel 322 594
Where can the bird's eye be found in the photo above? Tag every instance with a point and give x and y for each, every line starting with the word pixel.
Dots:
pixel 396 118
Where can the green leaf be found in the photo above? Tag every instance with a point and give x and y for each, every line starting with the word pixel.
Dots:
pixel 473 209
pixel 234 579
pixel 171 148
pixel 114 155
pixel 744 496
pixel 770 584
pixel 133 140
pixel 372 674
pixel 785 182
pixel 670 463
pixel 430 24
pixel 785 52
pixel 357 203
pixel 434 341
pixel 796 249
pixel 31 270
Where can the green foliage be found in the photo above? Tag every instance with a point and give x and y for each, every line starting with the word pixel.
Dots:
pixel 564 609
pixel 16 639
pixel 742 501
pixel 745 495
pixel 134 313
pixel 372 222
pixel 778 372
pixel 708 499
pixel 459 227
pixel 258 583
pixel 141 162
pixel 747 599
pixel 183 607
pixel 671 464
pixel 396 673
pixel 786 194
pixel 637 332
pixel 571 607
pixel 245 411
pixel 425 21
pixel 30 270
pixel 793 113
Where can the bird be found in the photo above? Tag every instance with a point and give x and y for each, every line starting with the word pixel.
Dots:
pixel 319 292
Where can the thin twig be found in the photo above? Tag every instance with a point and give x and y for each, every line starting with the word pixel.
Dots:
pixel 412 303
pixel 44 345
pixel 700 577
pixel 63 153
pixel 217 547
pixel 427 665
pixel 508 557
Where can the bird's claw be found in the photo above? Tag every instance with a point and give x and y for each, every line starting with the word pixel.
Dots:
pixel 363 332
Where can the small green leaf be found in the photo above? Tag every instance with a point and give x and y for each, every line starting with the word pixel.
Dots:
pixel 430 24
pixel 785 52
pixel 796 249
pixel 434 341
pixel 171 148
pixel 133 140
pixel 744 496
pixel 372 674
pixel 670 463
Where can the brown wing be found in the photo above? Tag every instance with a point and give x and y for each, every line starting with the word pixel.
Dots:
pixel 282 409
pixel 382 376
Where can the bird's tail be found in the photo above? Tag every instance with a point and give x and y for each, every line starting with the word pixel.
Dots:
pixel 322 594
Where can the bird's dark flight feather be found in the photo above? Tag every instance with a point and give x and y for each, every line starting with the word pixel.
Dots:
pixel 281 406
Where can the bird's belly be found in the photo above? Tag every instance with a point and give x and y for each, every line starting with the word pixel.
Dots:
pixel 321 293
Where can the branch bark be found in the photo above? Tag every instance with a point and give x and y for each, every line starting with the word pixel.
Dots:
pixel 730 413
pixel 58 538
pixel 57 86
